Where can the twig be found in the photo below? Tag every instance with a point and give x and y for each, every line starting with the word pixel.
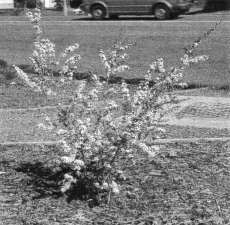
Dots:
pixel 219 208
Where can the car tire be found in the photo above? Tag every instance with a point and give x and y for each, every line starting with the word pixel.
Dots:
pixel 161 12
pixel 98 12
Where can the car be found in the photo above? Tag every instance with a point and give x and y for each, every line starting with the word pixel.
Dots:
pixel 75 3
pixel 161 9
pixel 216 5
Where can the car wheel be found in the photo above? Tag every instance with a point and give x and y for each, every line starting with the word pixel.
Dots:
pixel 98 12
pixel 161 12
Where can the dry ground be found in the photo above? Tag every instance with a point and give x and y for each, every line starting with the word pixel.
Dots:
pixel 186 182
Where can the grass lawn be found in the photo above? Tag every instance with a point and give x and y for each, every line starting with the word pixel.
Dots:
pixel 153 40
pixel 185 182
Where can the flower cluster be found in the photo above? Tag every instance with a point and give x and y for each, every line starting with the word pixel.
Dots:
pixel 70 61
pixel 106 126
pixel 43 57
pixel 35 18
pixel 27 81
pixel 187 60
pixel 105 122
pixel 114 60
pixel 189 57
pixel 70 49
pixel 45 60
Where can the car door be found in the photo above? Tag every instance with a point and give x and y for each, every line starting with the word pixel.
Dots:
pixel 144 6
pixel 122 6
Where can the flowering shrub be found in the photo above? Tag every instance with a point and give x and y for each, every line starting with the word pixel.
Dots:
pixel 114 60
pixel 105 123
pixel 45 61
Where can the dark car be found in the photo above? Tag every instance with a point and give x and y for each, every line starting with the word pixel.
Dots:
pixel 216 5
pixel 161 9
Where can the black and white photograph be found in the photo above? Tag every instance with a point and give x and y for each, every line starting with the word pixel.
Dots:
pixel 114 112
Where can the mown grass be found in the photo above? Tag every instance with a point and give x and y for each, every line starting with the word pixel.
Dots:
pixel 152 39
pixel 185 182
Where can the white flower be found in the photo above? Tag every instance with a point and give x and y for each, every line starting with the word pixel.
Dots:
pixel 65 146
pixel 114 187
pixel 45 127
pixel 79 162
pixel 24 77
pixel 62 80
pixel 107 165
pixel 83 128
pixel 95 159
pixel 122 68
pixel 143 146
pixel 77 167
pixel 68 180
pixel 61 131
pixel 105 185
pixel 68 177
pixel 93 93
pixel 150 150
pixel 185 60
pixel 155 148
pixel 42 126
pixel 153 66
pixel 161 130
pixel 50 92
pixel 65 187
pixel 97 185
pixel 112 104
pixel 195 44
pixel 67 159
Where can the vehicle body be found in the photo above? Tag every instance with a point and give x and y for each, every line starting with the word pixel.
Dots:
pixel 216 5
pixel 162 9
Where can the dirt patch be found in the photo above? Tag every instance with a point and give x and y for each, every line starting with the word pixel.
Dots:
pixel 206 110
pixel 186 182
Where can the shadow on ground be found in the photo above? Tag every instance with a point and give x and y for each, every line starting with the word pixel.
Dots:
pixel 123 18
pixel 46 181
pixel 43 180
